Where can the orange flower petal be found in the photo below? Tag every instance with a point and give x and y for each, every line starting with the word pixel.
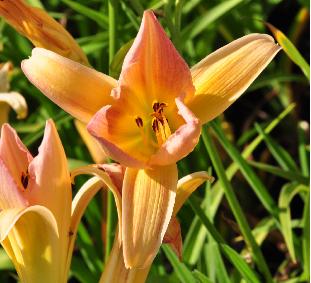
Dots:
pixel 152 69
pixel 41 29
pixel 148 198
pixel 79 90
pixel 224 75
pixel 95 149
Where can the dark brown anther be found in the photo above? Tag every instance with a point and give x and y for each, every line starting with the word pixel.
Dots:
pixel 25 179
pixel 155 106
pixel 155 125
pixel 139 122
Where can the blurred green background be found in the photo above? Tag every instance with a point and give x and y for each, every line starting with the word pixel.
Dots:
pixel 258 150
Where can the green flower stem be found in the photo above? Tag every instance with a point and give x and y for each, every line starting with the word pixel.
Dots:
pixel 111 210
pixel 235 207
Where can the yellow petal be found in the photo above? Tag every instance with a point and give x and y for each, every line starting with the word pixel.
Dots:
pixel 16 101
pixel 30 237
pixel 224 75
pixel 88 190
pixel 50 183
pixel 79 90
pixel 95 149
pixel 41 29
pixel 147 204
pixel 116 272
pixel 187 185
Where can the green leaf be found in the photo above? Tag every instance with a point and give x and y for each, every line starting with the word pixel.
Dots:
pixel 203 21
pixel 240 264
pixel 248 173
pixel 286 174
pixel 290 49
pixel 233 201
pixel 279 153
pixel 287 193
pixel 306 239
pixel 217 192
pixel 183 273
pixel 201 278
pixel 117 61
pixel 229 253
pixel 98 17
pixel 215 262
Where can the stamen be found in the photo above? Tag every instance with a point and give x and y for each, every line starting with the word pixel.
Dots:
pixel 25 179
pixel 139 122
pixel 159 122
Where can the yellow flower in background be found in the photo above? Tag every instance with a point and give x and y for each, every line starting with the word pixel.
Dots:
pixel 10 98
pixel 151 117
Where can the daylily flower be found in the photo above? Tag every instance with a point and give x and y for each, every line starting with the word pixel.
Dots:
pixel 38 219
pixel 10 98
pixel 151 117
pixel 115 270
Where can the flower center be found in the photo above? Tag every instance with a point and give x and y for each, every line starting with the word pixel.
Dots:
pixel 159 123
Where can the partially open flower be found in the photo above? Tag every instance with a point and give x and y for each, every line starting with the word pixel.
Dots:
pixel 10 98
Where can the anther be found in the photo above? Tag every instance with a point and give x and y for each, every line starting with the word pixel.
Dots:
pixel 139 122
pixel 25 179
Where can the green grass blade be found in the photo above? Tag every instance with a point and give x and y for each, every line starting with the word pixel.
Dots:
pixel 203 21
pixel 302 148
pixel 212 255
pixel 200 277
pixel 290 50
pixel 183 273
pixel 248 173
pixel 287 193
pixel 306 240
pixel 98 17
pixel 230 254
pixel 240 264
pixel 235 206
pixel 286 174
pixel 279 153
pixel 217 192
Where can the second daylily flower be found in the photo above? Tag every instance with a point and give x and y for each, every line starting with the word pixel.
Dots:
pixel 151 117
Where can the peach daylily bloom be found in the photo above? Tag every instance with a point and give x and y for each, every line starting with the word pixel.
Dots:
pixel 10 98
pixel 151 117
pixel 112 175
pixel 38 219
